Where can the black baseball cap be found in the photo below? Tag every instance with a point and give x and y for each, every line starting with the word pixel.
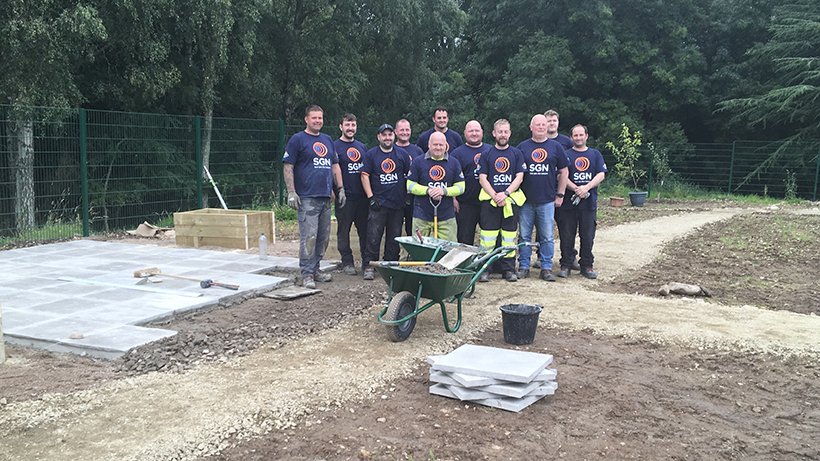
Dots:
pixel 386 126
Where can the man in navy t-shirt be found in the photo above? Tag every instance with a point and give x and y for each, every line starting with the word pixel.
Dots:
pixel 435 177
pixel 552 130
pixel 579 212
pixel 384 176
pixel 403 132
pixel 440 119
pixel 467 206
pixel 311 168
pixel 500 173
pixel 351 158
pixel 544 184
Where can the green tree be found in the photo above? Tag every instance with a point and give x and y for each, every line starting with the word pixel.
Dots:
pixel 42 45
pixel 790 100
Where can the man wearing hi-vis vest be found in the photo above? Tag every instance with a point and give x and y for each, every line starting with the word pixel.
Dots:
pixel 500 173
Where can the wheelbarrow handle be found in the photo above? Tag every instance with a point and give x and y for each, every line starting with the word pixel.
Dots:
pixel 478 262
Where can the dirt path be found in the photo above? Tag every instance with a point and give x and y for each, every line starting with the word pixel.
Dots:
pixel 169 416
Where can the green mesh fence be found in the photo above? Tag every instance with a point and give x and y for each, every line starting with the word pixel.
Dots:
pixel 66 172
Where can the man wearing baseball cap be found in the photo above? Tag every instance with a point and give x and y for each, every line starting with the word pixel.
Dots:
pixel 384 179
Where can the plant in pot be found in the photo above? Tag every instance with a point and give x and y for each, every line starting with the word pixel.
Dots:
pixel 627 155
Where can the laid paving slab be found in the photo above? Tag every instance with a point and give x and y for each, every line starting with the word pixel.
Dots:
pixel 50 292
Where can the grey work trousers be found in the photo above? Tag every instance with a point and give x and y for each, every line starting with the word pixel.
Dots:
pixel 314 232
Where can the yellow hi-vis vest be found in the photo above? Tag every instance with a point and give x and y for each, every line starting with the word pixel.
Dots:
pixel 516 197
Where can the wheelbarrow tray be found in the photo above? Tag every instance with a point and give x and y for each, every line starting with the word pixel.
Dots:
pixel 436 287
pixel 425 251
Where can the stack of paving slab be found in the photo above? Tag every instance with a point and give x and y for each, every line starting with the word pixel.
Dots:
pixel 495 377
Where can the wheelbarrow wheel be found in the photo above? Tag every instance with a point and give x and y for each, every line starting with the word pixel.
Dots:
pixel 402 305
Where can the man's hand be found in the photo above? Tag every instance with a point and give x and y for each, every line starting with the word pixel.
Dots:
pixel 456 205
pixel 374 204
pixel 435 193
pixel 341 196
pixel 500 198
pixel 293 200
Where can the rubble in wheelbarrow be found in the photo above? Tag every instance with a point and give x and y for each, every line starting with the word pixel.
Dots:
pixel 495 377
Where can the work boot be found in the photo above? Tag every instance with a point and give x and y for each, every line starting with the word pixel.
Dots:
pixel 369 273
pixel 546 274
pixel 322 276
pixel 350 270
pixel 575 265
pixel 589 273
pixel 523 273
pixel 484 277
pixel 510 276
pixel 536 264
pixel 564 272
pixel 307 282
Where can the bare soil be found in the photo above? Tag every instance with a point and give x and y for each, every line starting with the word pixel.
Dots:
pixel 640 376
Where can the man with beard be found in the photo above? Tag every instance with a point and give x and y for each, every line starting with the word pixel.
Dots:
pixel 500 173
pixel 467 205
pixel 384 179
pixel 351 158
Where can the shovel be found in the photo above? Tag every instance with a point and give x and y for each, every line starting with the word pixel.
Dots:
pixel 455 257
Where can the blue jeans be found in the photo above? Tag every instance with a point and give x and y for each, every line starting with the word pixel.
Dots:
pixel 314 232
pixel 540 216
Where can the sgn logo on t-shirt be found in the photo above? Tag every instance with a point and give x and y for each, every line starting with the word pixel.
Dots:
pixel 388 165
pixel 502 164
pixel 477 158
pixel 581 163
pixel 319 149
pixel 353 154
pixel 437 173
pixel 539 155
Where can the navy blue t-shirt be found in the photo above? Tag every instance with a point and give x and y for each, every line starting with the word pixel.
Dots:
pixel 564 141
pixel 388 175
pixel 351 158
pixel 312 158
pixel 413 150
pixel 453 139
pixel 435 173
pixel 468 158
pixel 583 166
pixel 543 159
pixel 501 166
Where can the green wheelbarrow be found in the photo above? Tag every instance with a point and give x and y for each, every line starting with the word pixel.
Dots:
pixel 433 249
pixel 408 287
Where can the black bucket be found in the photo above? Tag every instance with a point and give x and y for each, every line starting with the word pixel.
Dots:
pixel 520 322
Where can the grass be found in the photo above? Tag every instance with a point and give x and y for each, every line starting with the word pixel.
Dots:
pixel 49 231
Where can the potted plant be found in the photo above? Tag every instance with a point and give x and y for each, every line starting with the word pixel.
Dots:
pixel 627 155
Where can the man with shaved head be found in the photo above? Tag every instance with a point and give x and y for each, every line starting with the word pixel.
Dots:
pixel 467 205
pixel 436 176
pixel 545 181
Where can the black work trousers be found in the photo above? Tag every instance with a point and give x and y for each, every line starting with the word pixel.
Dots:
pixel 467 219
pixel 385 222
pixel 354 213
pixel 574 222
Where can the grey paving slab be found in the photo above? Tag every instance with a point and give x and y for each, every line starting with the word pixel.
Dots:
pixel 504 403
pixel 505 389
pixel 493 362
pixel 41 310
pixel 474 394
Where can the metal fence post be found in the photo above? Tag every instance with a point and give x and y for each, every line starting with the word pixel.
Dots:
pixel 731 167
pixel 649 179
pixel 84 170
pixel 198 144
pixel 281 153
pixel 816 176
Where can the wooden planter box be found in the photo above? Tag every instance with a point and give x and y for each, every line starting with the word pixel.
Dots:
pixel 225 228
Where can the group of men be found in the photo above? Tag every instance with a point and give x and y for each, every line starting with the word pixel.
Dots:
pixel 447 183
